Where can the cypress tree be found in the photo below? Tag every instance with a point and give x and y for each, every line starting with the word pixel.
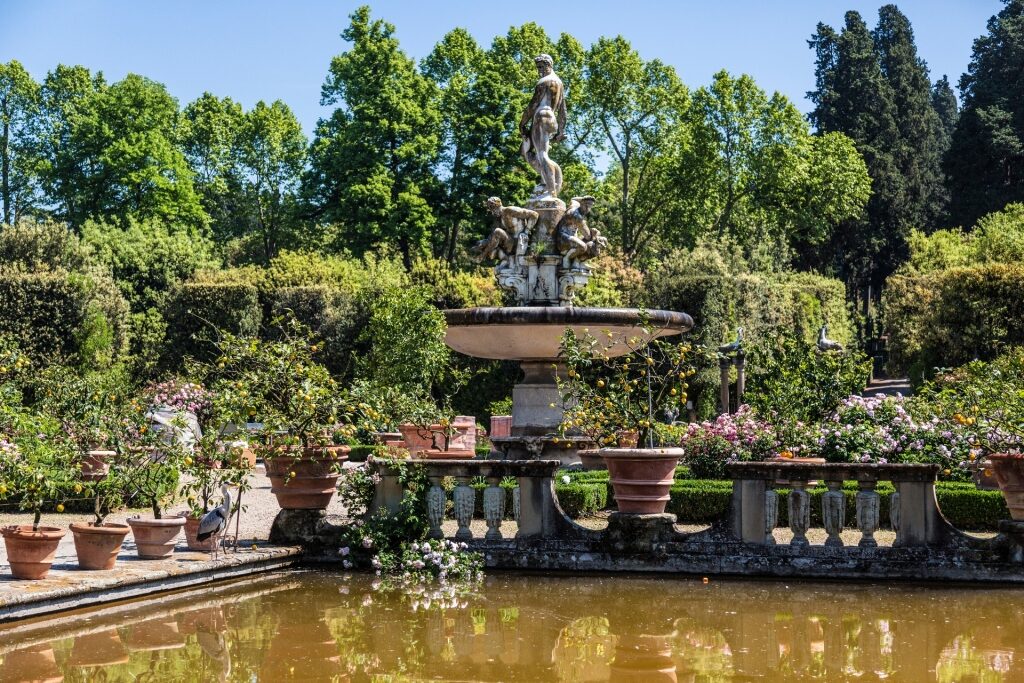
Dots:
pixel 947 107
pixel 985 162
pixel 853 97
pixel 918 154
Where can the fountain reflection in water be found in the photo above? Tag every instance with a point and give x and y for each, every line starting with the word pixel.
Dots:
pixel 321 627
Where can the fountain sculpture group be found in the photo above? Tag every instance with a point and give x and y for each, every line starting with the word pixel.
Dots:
pixel 541 252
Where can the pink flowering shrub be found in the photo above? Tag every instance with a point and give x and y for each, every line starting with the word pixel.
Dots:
pixel 728 438
pixel 179 395
pixel 882 429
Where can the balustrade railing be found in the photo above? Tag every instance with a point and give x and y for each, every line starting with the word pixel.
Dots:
pixel 534 506
pixel 913 511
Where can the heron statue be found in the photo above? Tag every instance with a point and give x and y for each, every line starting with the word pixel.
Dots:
pixel 735 345
pixel 826 344
pixel 215 521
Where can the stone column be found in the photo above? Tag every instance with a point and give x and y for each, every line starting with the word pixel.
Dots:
pixel 867 514
pixel 799 514
pixel 833 513
pixel 724 364
pixel 436 502
pixel 494 508
pixel 741 376
pixel 771 515
pixel 465 498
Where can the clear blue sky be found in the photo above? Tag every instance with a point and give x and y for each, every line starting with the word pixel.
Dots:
pixel 275 50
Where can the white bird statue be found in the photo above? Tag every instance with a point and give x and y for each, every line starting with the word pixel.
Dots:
pixel 734 345
pixel 215 521
pixel 826 344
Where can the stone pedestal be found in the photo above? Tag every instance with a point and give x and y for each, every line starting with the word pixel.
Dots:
pixel 630 533
pixel 536 403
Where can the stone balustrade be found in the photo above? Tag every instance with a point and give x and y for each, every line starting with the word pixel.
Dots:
pixel 534 506
pixel 914 513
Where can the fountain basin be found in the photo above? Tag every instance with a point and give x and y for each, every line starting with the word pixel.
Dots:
pixel 532 335
pixel 535 332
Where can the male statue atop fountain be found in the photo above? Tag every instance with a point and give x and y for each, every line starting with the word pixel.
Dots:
pixel 510 236
pixel 542 123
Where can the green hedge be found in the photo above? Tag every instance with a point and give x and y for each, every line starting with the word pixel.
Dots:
pixel 765 306
pixel 65 316
pixel 195 310
pixel 949 317
pixel 582 499
pixel 330 313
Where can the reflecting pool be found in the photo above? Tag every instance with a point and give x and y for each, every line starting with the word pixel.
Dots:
pixel 320 626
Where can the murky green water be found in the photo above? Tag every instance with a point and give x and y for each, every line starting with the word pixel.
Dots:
pixel 313 626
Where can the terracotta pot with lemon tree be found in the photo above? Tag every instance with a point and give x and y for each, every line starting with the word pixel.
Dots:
pixel 36 472
pixel 986 400
pixel 607 397
pixel 149 466
pixel 303 410
pixel 98 542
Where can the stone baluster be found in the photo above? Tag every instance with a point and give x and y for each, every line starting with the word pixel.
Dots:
pixel 799 513
pixel 771 515
pixel 833 513
pixel 436 502
pixel 867 514
pixel 516 498
pixel 494 508
pixel 894 512
pixel 465 499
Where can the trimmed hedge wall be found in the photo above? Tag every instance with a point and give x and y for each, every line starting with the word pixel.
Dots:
pixel 949 317
pixel 196 310
pixel 48 311
pixel 765 306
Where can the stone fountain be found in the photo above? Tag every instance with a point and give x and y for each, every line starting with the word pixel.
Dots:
pixel 541 251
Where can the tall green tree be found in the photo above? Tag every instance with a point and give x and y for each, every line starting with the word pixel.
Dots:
pixel 633 105
pixel 271 152
pixel 852 96
pixel 111 152
pixel 751 168
pixel 19 105
pixel 210 128
pixel 947 107
pixel 985 162
pixel 919 155
pixel 371 159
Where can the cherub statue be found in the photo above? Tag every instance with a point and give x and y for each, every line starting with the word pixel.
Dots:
pixel 576 241
pixel 510 237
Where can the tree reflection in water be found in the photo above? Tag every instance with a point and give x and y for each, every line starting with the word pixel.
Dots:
pixel 313 626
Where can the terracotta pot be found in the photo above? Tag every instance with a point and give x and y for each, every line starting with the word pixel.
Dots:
pixel 95 464
pixel 37 663
pixel 591 459
pixel 97 546
pixel 501 425
pixel 419 439
pixel 154 538
pixel 1009 471
pixel 98 649
pixel 192 530
pixel 315 480
pixel 29 552
pixel 450 454
pixel 641 477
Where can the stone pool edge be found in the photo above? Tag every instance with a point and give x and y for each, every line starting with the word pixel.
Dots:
pixel 99 590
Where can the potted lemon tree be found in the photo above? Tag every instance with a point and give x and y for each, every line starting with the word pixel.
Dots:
pixel 303 411
pixel 605 397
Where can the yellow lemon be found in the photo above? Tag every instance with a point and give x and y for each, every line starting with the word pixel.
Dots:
pixel 291 475
pixel 600 384
pixel 78 488
pixel 60 507
pixel 188 461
